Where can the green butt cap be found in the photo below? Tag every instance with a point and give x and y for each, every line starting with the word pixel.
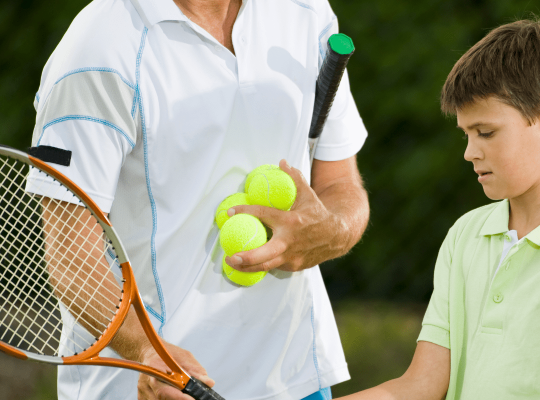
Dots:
pixel 341 44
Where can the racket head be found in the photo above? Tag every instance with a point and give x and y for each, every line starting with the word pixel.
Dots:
pixel 53 274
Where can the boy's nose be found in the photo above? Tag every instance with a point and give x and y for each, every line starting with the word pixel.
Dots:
pixel 472 152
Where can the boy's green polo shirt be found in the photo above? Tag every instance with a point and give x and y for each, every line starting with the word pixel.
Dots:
pixel 491 324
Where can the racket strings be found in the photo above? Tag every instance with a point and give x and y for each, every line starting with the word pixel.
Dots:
pixel 38 304
pixel 69 251
pixel 51 252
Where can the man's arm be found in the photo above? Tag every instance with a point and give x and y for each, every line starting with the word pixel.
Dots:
pixel 325 222
pixel 75 250
pixel 427 378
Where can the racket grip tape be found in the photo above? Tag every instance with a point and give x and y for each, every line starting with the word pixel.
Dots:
pixel 199 391
pixel 340 50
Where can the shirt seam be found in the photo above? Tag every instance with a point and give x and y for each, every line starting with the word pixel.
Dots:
pixel 315 361
pixel 89 69
pixel 163 314
pixel 85 118
pixel 323 32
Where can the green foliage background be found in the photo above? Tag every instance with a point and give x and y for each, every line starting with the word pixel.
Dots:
pixel 412 162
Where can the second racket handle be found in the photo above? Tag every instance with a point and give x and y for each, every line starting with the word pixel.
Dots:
pixel 199 391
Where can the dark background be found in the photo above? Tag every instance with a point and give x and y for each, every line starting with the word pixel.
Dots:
pixel 412 162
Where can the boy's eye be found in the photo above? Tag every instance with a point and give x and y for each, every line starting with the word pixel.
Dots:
pixel 485 134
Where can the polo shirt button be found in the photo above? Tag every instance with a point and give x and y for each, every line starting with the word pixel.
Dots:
pixel 498 298
pixel 507 237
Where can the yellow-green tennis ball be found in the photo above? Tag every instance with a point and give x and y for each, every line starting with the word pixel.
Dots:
pixel 242 232
pixel 274 188
pixel 237 199
pixel 242 278
pixel 259 169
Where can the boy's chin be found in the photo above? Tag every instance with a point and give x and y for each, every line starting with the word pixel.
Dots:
pixel 493 194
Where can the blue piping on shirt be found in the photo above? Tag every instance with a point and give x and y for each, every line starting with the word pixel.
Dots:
pixel 99 69
pixel 323 32
pixel 138 95
pixel 85 118
pixel 155 314
pixel 304 5
pixel 86 69
pixel 315 348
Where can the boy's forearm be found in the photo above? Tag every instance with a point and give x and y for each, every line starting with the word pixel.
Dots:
pixel 427 378
pixel 397 389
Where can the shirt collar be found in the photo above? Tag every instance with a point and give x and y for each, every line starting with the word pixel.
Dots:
pixel 534 236
pixel 497 221
pixel 156 11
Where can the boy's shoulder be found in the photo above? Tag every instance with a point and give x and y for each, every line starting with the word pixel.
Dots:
pixel 473 223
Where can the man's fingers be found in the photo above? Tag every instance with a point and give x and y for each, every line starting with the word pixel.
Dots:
pixel 268 216
pixel 163 391
pixel 259 259
pixel 302 185
pixel 205 379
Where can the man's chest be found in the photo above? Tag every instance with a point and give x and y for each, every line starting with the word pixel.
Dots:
pixel 194 91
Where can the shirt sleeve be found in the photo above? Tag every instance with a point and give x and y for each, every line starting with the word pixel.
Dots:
pixel 93 115
pixel 344 133
pixel 436 323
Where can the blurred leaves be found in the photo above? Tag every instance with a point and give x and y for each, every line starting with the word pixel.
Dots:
pixel 412 162
pixel 379 340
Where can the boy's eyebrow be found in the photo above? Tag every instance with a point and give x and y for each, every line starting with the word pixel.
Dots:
pixel 475 125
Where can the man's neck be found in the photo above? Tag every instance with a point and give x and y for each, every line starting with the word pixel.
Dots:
pixel 206 8
pixel 217 17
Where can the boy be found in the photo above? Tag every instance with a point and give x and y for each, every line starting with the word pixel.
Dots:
pixel 480 337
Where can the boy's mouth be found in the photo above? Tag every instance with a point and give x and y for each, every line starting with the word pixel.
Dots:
pixel 482 173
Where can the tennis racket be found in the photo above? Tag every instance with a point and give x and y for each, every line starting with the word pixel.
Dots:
pixel 66 284
pixel 339 51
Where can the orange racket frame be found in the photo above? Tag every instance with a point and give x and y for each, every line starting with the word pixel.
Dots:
pixel 130 297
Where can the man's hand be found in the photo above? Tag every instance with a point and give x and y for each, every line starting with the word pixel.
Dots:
pixel 131 343
pixel 151 389
pixel 325 221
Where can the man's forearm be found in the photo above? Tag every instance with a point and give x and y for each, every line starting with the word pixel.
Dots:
pixel 339 187
pixel 348 202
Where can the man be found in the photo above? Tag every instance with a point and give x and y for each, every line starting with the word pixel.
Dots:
pixel 166 108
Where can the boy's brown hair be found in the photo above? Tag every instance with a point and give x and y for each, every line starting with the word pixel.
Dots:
pixel 504 64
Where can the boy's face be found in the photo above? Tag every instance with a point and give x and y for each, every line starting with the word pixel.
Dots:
pixel 504 149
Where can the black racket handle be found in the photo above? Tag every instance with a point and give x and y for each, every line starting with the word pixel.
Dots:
pixel 339 51
pixel 199 391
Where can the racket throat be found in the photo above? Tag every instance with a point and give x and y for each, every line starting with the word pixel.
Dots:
pixel 312 143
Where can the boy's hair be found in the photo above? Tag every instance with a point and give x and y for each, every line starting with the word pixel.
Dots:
pixel 504 64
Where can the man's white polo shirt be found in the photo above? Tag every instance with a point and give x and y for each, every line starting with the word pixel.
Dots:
pixel 164 123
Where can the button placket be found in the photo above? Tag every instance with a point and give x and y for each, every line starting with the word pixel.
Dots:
pixel 495 305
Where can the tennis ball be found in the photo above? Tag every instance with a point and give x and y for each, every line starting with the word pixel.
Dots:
pixel 272 188
pixel 236 199
pixel 242 232
pixel 258 170
pixel 242 278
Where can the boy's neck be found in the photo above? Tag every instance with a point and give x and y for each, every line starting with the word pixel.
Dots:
pixel 525 212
